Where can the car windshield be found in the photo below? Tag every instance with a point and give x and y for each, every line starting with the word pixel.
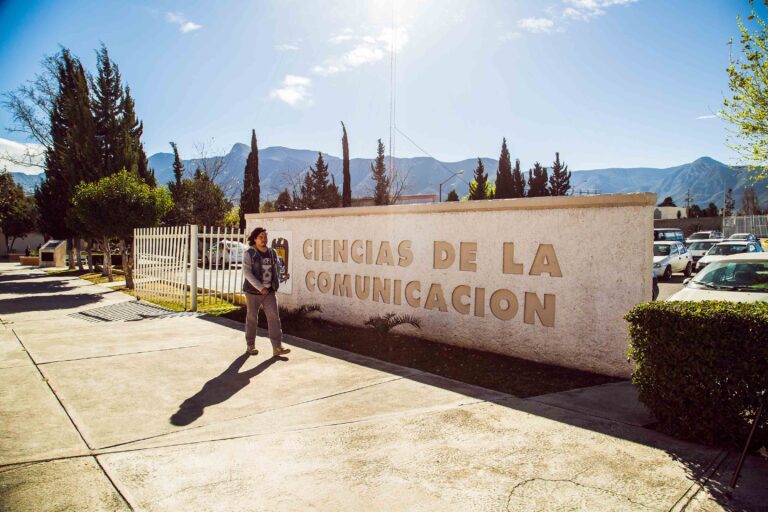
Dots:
pixel 742 275
pixel 739 236
pixel 701 246
pixel 725 250
pixel 661 249
pixel 699 236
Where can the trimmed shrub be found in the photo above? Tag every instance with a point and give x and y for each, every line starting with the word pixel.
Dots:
pixel 700 367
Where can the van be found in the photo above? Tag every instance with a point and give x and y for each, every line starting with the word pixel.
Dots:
pixel 668 234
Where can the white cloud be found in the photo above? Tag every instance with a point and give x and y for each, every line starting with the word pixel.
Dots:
pixel 32 153
pixel 536 24
pixel 287 47
pixel 363 50
pixel 585 9
pixel 294 91
pixel 184 24
pixel 707 117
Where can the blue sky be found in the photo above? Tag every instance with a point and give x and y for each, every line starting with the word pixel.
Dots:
pixel 607 83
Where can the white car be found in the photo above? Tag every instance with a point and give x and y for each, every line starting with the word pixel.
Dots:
pixel 726 248
pixel 222 254
pixel 749 237
pixel 738 278
pixel 669 257
pixel 704 235
pixel 699 248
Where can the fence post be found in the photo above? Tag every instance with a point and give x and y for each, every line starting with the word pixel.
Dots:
pixel 193 267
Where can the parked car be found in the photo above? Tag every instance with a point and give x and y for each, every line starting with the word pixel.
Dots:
pixel 705 235
pixel 660 234
pixel 743 236
pixel 737 278
pixel 726 248
pixel 669 257
pixel 222 253
pixel 699 248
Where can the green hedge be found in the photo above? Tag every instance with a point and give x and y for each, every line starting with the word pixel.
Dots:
pixel 700 367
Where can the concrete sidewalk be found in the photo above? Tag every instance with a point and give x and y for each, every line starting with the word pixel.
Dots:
pixel 149 412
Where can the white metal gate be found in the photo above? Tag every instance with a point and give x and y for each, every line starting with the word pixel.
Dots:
pixel 755 224
pixel 184 266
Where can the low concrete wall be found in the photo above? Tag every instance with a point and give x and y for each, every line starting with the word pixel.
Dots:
pixel 546 279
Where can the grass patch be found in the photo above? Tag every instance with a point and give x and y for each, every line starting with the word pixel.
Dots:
pixel 93 277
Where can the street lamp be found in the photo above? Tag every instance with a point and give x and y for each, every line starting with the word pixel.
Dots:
pixel 446 181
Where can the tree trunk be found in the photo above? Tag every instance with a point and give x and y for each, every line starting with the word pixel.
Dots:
pixel 71 253
pixel 127 256
pixel 78 247
pixel 107 264
pixel 89 252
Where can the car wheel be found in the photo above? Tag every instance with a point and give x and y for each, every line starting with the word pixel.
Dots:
pixel 688 269
pixel 668 273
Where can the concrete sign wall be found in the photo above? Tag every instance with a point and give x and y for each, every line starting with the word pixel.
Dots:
pixel 545 279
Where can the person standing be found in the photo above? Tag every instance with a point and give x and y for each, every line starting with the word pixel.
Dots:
pixel 261 269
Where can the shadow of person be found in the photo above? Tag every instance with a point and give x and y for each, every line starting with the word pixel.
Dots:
pixel 219 389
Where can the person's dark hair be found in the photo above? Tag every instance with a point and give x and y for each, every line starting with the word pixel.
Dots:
pixel 254 234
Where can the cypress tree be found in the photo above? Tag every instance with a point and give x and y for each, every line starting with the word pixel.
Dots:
pixel 346 195
pixel 250 196
pixel 729 204
pixel 478 189
pixel 133 157
pixel 178 166
pixel 452 196
pixel 504 173
pixel 180 193
pixel 560 180
pixel 379 172
pixel 517 183
pixel 537 181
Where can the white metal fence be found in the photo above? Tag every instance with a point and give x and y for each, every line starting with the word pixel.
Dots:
pixel 755 224
pixel 185 266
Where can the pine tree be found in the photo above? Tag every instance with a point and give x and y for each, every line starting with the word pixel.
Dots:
pixel 73 156
pixel 379 172
pixel 319 189
pixel 478 188
pixel 346 196
pixel 729 205
pixel 452 196
pixel 560 179
pixel 305 200
pixel 284 201
pixel 504 173
pixel 537 181
pixel 517 187
pixel 249 197
pixel 107 110
pixel 133 157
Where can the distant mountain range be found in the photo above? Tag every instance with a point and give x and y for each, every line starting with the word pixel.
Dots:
pixel 705 178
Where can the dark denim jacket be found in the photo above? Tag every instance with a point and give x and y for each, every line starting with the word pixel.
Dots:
pixel 252 268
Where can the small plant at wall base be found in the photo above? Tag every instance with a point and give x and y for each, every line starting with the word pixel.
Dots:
pixel 384 323
pixel 299 313
pixel 706 385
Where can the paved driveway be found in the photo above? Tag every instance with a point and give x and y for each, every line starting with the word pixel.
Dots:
pixel 107 406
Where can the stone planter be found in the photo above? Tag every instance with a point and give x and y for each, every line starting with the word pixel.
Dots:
pixel 30 260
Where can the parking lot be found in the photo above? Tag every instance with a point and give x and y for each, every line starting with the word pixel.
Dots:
pixel 667 288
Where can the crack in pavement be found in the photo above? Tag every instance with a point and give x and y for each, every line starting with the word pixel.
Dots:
pixel 256 413
pixel 116 355
pixel 573 481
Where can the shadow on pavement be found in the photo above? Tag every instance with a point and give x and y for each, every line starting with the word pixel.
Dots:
pixel 219 389
pixel 710 466
pixel 46 303
pixel 35 287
